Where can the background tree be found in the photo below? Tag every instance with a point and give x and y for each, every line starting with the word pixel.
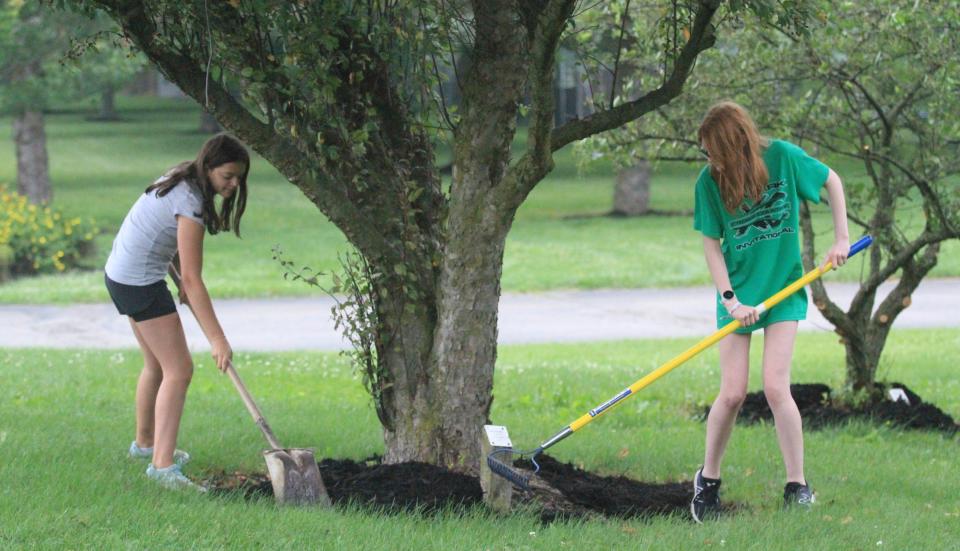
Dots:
pixel 29 39
pixel 100 63
pixel 876 84
pixel 340 98
pixel 34 41
pixel 887 94
pixel 619 62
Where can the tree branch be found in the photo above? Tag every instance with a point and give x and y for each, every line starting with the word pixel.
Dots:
pixel 616 61
pixel 702 37
pixel 330 196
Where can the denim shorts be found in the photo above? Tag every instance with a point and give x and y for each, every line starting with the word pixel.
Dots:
pixel 141 302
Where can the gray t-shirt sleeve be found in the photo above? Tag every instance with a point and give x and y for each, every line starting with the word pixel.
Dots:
pixel 185 200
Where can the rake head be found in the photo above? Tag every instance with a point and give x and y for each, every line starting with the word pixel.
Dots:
pixel 504 470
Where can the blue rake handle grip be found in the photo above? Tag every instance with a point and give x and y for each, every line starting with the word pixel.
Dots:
pixel 861 244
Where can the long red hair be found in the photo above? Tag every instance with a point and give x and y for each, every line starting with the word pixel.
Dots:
pixel 735 147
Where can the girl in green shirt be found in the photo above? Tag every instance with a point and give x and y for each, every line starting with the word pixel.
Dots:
pixel 747 205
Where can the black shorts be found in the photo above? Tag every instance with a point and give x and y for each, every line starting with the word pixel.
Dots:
pixel 141 302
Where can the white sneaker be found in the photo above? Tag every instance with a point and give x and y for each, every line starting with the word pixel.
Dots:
pixel 180 457
pixel 172 478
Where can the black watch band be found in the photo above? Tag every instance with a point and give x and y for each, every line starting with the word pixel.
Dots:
pixel 727 295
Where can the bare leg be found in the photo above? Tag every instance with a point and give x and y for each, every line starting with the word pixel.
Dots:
pixel 778 344
pixel 147 387
pixel 164 338
pixel 735 370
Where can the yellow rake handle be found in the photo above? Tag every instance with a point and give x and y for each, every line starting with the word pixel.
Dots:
pixel 807 278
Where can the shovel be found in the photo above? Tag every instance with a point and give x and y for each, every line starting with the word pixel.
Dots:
pixel 293 471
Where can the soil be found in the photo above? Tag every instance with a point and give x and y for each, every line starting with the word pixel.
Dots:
pixel 559 491
pixel 565 491
pixel 819 411
pixel 389 488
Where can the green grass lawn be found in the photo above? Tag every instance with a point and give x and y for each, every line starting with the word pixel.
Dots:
pixel 559 240
pixel 66 418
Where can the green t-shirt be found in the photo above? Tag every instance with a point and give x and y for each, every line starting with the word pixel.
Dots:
pixel 760 242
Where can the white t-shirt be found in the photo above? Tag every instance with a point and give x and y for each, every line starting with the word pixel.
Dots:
pixel 147 240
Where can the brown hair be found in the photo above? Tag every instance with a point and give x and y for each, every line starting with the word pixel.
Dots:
pixel 218 150
pixel 735 148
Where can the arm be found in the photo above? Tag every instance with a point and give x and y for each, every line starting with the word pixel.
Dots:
pixel 190 246
pixel 746 314
pixel 838 207
pixel 182 295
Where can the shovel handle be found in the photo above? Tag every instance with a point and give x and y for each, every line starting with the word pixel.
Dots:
pixel 237 382
pixel 252 408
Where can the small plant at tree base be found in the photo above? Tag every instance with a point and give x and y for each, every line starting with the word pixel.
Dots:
pixel 856 399
pixel 354 315
pixel 41 239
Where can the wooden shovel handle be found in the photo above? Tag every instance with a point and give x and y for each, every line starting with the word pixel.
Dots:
pixel 252 408
pixel 235 377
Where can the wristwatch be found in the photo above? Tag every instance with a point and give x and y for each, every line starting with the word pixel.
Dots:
pixel 727 295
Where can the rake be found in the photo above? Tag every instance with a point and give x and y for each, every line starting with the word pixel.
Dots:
pixel 504 470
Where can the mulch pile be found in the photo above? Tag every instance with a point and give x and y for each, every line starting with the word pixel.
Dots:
pixel 572 492
pixel 402 487
pixel 562 491
pixel 818 411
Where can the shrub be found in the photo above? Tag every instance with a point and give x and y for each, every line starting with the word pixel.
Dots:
pixel 39 239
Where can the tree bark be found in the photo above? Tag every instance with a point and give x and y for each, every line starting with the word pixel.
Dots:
pixel 33 176
pixel 208 124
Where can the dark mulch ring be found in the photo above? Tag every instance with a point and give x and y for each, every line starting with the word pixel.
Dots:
pixel 559 491
pixel 563 490
pixel 818 411
pixel 390 488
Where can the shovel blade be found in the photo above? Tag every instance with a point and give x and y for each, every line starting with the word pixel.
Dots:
pixel 295 477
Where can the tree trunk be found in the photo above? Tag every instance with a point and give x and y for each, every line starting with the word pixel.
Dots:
pixel 33 177
pixel 441 361
pixel 445 419
pixel 409 404
pixel 208 124
pixel 863 354
pixel 631 197
pixel 108 104
pixel 465 342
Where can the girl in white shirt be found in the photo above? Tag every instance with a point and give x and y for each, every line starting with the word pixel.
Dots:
pixel 165 225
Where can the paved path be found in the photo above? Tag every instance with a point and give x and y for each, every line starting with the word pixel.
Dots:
pixel 557 316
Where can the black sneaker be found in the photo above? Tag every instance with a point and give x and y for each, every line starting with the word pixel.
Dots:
pixel 796 494
pixel 706 497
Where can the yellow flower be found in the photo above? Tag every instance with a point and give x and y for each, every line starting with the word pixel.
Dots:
pixel 43 240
